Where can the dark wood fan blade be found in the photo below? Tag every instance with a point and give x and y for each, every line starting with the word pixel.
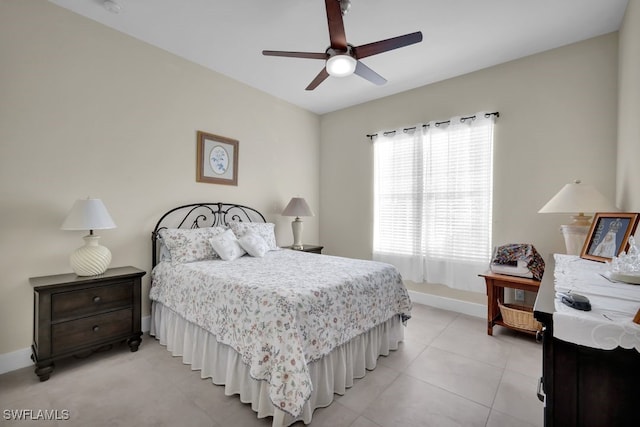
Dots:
pixel 336 25
pixel 386 45
pixel 368 74
pixel 308 55
pixel 322 75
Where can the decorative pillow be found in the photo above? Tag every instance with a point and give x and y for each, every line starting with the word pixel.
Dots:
pixel 254 245
pixel 264 230
pixel 226 246
pixel 189 245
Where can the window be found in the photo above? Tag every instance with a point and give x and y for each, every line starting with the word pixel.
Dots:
pixel 433 199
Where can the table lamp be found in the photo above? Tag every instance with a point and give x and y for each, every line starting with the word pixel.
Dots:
pixel 577 198
pixel 92 258
pixel 297 207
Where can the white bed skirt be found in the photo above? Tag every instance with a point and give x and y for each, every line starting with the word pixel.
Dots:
pixel 333 373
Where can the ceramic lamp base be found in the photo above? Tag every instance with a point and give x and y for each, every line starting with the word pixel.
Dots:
pixel 574 237
pixel 91 259
pixel 296 226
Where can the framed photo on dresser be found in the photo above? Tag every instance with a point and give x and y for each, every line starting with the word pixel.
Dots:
pixel 609 235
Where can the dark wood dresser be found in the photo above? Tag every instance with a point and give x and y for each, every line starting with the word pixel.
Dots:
pixel 584 386
pixel 75 315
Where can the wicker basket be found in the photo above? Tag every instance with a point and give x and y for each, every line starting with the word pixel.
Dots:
pixel 519 316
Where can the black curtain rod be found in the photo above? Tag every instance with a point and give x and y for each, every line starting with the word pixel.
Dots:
pixel 462 119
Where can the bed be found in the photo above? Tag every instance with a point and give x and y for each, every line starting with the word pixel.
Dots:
pixel 283 329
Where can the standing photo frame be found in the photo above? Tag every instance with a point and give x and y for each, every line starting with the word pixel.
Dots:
pixel 216 159
pixel 609 235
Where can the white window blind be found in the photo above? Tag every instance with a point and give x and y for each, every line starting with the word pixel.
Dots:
pixel 433 199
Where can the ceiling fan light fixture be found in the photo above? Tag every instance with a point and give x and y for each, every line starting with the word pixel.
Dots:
pixel 341 58
pixel 112 6
pixel 345 5
pixel 341 65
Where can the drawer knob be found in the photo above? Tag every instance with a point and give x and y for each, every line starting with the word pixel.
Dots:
pixel 97 299
pixel 96 328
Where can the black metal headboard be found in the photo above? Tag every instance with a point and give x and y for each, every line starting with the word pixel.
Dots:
pixel 199 215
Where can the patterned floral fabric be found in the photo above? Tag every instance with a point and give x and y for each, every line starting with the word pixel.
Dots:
pixel 283 311
pixel 226 246
pixel 521 251
pixel 189 245
pixel 264 230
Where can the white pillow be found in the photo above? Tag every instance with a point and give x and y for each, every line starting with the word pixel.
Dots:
pixel 254 245
pixel 226 245
pixel 190 244
pixel 262 229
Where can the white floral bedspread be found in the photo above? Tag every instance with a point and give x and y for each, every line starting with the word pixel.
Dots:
pixel 283 311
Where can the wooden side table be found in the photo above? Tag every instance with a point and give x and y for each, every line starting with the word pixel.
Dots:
pixel 74 314
pixel 308 248
pixel 495 293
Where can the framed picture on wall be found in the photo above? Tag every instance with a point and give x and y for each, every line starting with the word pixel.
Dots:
pixel 609 235
pixel 216 159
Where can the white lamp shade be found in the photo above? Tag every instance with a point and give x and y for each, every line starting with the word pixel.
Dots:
pixel 297 207
pixel 88 214
pixel 577 197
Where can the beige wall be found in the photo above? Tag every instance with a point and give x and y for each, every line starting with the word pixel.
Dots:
pixel 628 168
pixel 557 122
pixel 85 110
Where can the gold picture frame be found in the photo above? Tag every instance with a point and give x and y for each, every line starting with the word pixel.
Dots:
pixel 609 235
pixel 216 159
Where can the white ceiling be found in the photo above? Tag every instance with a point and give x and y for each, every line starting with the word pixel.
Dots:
pixel 460 36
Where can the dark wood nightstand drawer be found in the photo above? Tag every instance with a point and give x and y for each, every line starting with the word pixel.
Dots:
pixel 78 303
pixel 88 330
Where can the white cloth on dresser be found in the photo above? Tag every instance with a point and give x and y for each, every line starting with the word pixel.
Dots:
pixel 609 324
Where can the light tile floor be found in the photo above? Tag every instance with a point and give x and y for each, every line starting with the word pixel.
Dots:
pixel 448 372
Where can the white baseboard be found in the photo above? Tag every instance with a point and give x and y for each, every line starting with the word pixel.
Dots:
pixel 22 358
pixel 145 323
pixel 15 360
pixel 464 307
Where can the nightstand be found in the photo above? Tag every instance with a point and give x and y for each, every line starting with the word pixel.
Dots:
pixel 495 295
pixel 74 314
pixel 307 248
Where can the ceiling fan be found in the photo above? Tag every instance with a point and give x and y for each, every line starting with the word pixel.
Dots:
pixel 343 59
